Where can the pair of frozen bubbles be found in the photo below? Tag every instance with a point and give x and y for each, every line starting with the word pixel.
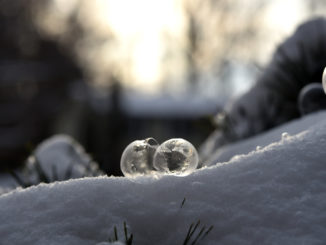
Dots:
pixel 146 157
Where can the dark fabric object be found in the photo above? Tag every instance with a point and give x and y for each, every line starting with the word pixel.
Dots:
pixel 298 61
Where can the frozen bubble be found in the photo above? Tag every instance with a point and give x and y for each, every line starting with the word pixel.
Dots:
pixel 324 80
pixel 137 158
pixel 312 98
pixel 176 156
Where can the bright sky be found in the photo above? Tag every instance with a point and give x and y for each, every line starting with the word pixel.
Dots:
pixel 140 26
pixel 281 20
pixel 284 14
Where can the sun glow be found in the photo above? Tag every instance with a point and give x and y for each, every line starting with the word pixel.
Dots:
pixel 140 27
pixel 144 43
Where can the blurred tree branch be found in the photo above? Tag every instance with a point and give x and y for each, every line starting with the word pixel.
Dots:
pixel 218 31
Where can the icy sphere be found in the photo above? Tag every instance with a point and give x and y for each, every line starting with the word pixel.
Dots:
pixel 177 157
pixel 311 98
pixel 137 158
pixel 324 80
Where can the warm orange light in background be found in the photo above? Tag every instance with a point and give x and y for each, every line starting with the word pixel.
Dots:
pixel 143 42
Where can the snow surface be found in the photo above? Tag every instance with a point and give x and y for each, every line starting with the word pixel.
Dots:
pixel 225 153
pixel 272 195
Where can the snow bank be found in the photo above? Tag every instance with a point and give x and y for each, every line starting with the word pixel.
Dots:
pixel 225 153
pixel 273 195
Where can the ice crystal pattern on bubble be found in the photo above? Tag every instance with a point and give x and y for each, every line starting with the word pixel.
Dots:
pixel 137 158
pixel 176 156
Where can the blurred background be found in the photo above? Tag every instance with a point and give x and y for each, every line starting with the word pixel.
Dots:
pixel 108 72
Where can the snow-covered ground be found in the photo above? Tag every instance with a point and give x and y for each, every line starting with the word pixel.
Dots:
pixel 275 194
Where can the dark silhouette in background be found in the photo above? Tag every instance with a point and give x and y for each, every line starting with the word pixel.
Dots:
pixel 273 100
pixel 34 76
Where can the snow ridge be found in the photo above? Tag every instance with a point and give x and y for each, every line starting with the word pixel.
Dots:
pixel 273 195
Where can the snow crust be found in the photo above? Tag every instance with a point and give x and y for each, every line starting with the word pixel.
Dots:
pixel 225 153
pixel 272 195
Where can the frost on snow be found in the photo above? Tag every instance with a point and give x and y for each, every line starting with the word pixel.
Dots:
pixel 273 195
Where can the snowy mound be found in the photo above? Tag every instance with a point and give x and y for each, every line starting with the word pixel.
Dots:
pixel 245 146
pixel 273 195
